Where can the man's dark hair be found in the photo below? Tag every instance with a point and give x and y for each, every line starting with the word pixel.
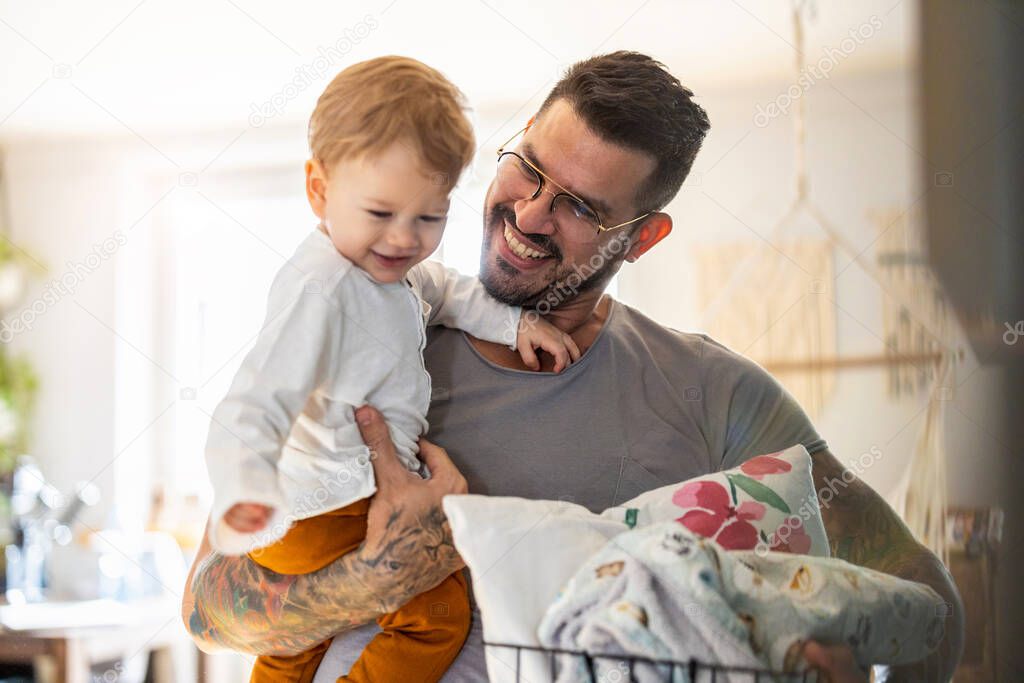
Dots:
pixel 630 99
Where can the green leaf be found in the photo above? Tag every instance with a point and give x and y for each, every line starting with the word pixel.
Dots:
pixel 758 491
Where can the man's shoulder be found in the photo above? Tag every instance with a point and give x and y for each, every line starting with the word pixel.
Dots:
pixel 669 343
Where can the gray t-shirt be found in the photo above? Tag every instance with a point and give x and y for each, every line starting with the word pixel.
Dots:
pixel 646 406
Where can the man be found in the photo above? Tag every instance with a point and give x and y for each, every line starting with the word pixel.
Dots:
pixel 645 406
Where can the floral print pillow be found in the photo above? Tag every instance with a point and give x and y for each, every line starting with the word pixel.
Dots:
pixel 522 553
pixel 767 503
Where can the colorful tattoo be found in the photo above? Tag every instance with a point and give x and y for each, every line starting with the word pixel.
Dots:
pixel 863 529
pixel 241 606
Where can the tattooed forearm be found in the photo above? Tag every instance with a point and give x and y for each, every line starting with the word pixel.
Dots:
pixel 863 529
pixel 235 604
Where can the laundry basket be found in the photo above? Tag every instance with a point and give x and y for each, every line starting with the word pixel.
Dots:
pixel 627 669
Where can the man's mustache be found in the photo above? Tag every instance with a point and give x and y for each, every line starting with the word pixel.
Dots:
pixel 501 213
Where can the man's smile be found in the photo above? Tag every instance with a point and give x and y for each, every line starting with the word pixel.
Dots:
pixel 522 246
pixel 516 249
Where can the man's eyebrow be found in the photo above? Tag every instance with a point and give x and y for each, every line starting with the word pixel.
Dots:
pixel 595 204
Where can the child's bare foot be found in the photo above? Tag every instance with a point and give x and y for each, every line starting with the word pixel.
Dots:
pixel 248 517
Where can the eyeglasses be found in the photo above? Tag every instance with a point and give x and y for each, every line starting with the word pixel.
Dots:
pixel 523 180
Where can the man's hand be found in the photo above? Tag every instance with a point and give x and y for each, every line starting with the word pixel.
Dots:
pixel 864 530
pixel 235 604
pixel 835 663
pixel 408 539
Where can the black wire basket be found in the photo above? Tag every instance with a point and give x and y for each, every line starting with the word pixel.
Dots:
pixel 629 668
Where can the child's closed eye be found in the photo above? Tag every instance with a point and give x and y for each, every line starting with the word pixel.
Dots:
pixel 433 219
pixel 383 215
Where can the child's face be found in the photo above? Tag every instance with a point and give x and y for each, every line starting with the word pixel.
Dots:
pixel 383 213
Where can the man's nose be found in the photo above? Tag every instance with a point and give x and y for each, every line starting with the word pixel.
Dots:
pixel 534 215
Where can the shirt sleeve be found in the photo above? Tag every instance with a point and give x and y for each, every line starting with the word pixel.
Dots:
pixel 291 357
pixel 460 301
pixel 761 416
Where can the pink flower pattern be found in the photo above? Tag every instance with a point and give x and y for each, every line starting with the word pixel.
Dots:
pixel 761 465
pixel 791 537
pixel 713 513
pixel 715 517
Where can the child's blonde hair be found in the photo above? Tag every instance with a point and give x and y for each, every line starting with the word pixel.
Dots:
pixel 373 104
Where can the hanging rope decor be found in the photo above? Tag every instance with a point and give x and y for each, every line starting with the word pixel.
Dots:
pixel 922 495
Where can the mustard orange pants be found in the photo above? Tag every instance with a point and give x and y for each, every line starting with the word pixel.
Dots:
pixel 417 643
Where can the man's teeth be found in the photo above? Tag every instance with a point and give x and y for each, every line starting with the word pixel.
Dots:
pixel 520 249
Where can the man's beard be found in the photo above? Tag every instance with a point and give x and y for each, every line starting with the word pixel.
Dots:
pixel 567 281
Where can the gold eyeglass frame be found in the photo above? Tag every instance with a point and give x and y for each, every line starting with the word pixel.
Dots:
pixel 554 195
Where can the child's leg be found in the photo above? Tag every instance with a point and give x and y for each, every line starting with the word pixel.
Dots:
pixel 420 641
pixel 300 668
pixel 314 543
pixel 309 545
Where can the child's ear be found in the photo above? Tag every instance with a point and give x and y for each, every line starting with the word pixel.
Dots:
pixel 654 229
pixel 316 187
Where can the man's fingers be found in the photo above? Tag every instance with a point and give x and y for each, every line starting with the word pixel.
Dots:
pixel 376 436
pixel 441 466
pixel 835 661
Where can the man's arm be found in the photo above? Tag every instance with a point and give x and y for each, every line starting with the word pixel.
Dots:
pixel 233 603
pixel 864 530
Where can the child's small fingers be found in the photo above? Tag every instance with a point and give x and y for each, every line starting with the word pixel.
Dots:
pixel 574 350
pixel 529 356
pixel 561 358
pixel 255 511
pixel 240 525
pixel 258 521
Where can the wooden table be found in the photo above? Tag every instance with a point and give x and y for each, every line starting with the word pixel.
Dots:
pixel 148 628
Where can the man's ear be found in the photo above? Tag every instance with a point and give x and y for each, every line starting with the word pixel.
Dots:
pixel 654 229
pixel 316 187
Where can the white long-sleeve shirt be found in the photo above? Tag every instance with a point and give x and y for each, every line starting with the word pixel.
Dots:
pixel 333 339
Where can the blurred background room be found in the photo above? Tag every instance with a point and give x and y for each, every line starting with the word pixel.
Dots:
pixel 853 224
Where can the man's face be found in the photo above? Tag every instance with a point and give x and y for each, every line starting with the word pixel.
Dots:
pixel 564 148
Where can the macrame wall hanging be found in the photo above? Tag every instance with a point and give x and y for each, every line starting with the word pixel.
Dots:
pixel 919 350
pixel 904 267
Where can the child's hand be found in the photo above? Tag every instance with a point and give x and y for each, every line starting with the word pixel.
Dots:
pixel 535 332
pixel 246 518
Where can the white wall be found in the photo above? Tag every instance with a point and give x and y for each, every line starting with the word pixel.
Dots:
pixel 61 204
pixel 109 379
